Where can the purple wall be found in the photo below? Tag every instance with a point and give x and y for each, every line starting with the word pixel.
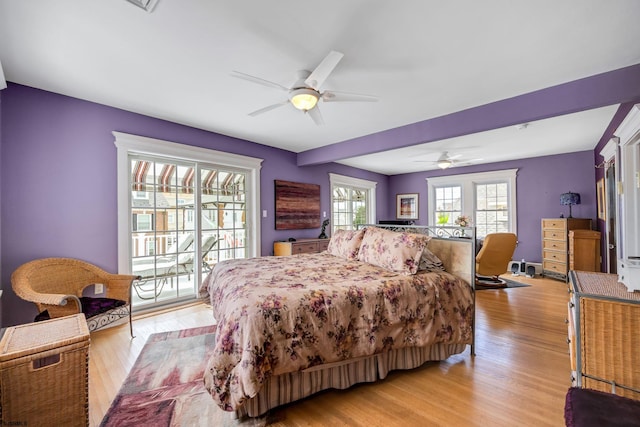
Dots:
pixel 58 181
pixel 540 181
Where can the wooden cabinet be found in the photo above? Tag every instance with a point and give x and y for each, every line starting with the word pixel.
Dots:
pixel 300 246
pixel 584 250
pixel 604 334
pixel 555 244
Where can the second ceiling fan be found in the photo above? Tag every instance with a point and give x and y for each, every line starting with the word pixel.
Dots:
pixel 305 93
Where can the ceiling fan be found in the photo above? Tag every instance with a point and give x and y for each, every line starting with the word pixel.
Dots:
pixel 446 161
pixel 305 93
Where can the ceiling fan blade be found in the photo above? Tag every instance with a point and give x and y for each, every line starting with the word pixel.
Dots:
pixel 322 71
pixel 268 108
pixel 467 160
pixel 331 96
pixel 258 80
pixel 315 115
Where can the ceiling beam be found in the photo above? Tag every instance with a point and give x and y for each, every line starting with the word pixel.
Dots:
pixel 613 87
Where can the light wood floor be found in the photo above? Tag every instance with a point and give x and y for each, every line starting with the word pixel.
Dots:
pixel 519 376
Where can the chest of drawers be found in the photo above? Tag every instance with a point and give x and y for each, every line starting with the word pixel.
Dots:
pixel 300 246
pixel 555 244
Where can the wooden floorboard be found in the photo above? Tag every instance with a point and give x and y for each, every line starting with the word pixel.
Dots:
pixel 519 376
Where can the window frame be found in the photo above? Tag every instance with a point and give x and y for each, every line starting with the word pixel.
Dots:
pixel 468 183
pixel 140 145
pixel 359 183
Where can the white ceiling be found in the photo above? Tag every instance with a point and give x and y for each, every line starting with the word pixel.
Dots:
pixel 421 58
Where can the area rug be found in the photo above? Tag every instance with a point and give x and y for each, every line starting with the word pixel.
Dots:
pixel 510 284
pixel 165 388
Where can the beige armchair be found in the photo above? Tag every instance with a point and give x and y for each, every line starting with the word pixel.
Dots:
pixel 56 285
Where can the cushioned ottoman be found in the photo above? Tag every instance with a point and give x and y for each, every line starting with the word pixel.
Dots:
pixel 586 407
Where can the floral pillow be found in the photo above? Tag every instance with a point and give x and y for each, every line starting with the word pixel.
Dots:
pixel 345 243
pixel 395 251
pixel 430 262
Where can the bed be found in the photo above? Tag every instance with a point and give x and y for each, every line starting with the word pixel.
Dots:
pixel 379 299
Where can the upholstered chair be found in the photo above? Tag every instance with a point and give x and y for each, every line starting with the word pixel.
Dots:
pixel 493 259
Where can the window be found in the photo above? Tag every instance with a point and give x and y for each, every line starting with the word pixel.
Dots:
pixel 492 208
pixel 448 204
pixel 182 209
pixel 142 222
pixel 488 197
pixel 353 202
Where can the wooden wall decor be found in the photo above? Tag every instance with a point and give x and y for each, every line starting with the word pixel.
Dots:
pixel 297 205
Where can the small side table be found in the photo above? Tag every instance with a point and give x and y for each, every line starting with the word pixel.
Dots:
pixel 44 373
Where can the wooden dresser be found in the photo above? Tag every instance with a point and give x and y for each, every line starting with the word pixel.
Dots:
pixel 300 246
pixel 604 334
pixel 555 244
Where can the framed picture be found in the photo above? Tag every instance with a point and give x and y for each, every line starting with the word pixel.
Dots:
pixel 602 200
pixel 407 206
pixel 297 205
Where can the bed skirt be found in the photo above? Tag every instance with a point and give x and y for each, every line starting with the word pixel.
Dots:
pixel 287 388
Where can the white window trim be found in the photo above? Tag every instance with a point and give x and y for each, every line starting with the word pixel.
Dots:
pixel 468 181
pixel 135 144
pixel 370 186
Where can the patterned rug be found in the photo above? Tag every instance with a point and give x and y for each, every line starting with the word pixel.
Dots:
pixel 164 387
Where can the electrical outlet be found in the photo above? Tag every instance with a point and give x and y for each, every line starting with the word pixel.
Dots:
pixel 99 288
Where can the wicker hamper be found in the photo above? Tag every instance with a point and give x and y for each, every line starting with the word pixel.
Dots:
pixel 44 373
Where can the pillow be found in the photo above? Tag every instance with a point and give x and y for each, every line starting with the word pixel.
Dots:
pixel 430 262
pixel 395 251
pixel 345 243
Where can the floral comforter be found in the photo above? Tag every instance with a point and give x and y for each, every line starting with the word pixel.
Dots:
pixel 282 314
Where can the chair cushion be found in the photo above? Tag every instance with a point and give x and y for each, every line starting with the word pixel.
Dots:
pixel 586 407
pixel 90 307
pixel 94 306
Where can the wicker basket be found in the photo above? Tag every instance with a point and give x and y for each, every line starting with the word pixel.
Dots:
pixel 44 372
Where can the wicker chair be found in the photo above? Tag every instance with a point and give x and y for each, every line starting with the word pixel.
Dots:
pixel 56 285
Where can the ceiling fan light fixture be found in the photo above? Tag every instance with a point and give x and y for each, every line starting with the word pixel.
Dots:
pixel 444 163
pixel 304 99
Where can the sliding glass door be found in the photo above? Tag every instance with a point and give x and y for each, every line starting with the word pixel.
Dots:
pixel 185 217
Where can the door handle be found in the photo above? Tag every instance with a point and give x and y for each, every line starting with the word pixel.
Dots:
pixel 611 247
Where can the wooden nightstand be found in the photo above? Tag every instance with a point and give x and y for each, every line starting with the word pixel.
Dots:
pixel 300 246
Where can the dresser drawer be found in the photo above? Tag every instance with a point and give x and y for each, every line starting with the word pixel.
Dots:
pixel 554 234
pixel 559 224
pixel 554 245
pixel 304 248
pixel 323 245
pixel 556 267
pixel 554 256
